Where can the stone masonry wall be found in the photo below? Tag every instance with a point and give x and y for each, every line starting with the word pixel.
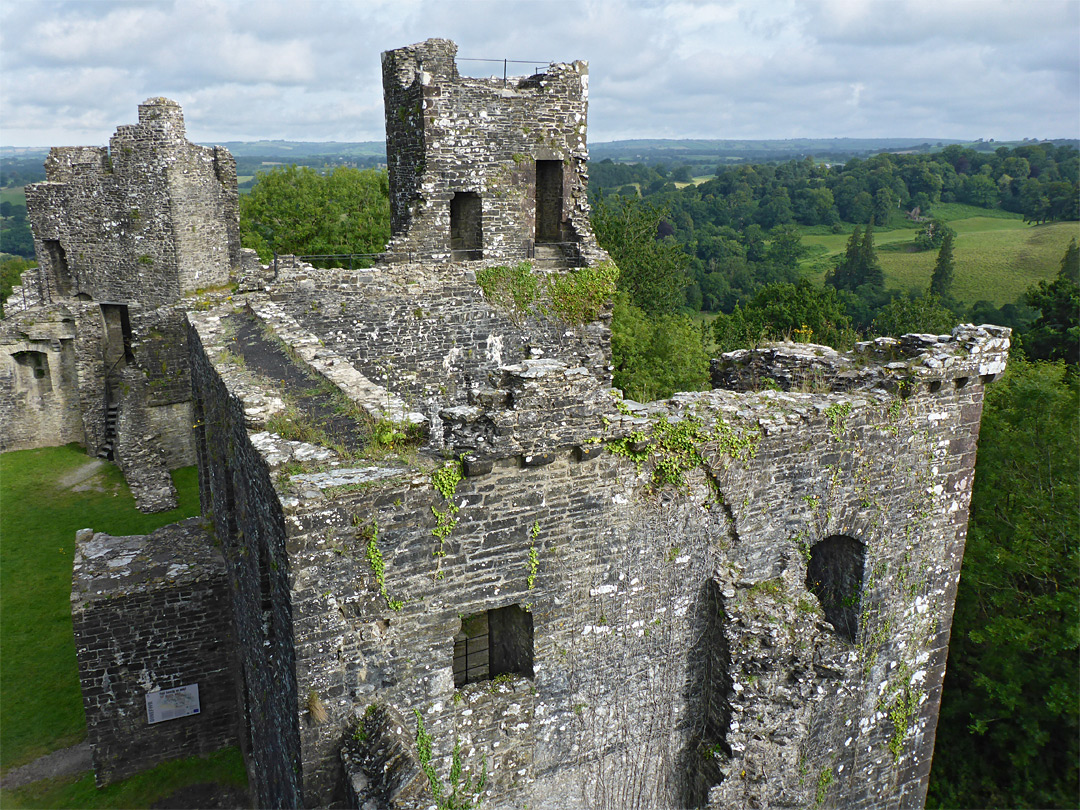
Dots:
pixel 39 403
pixel 149 218
pixel 237 492
pixel 684 653
pixel 151 613
pixel 623 583
pixel 449 134
pixel 433 342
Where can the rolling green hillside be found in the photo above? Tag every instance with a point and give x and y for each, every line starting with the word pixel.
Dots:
pixel 997 257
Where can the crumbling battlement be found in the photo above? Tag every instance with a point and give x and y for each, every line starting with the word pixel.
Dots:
pixel 147 219
pixel 889 363
pixel 484 167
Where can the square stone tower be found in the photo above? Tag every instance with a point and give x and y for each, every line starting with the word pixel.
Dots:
pixel 484 168
pixel 146 219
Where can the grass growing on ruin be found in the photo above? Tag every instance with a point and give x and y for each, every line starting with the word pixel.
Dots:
pixel 222 767
pixel 46 496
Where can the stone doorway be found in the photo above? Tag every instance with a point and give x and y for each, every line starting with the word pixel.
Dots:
pixel 466 226
pixel 549 200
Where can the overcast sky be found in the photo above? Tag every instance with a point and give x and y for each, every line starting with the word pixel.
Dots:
pixel 309 69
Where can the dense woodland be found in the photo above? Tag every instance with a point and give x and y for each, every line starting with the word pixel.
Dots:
pixel 732 246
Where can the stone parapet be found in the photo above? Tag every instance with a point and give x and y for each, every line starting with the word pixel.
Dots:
pixel 891 363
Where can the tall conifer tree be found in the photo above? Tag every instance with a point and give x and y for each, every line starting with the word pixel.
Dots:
pixel 941 280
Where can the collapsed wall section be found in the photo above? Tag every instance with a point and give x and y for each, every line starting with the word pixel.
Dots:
pixel 484 168
pixel 155 646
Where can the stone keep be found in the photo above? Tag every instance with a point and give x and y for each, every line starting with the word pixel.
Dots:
pixel 93 349
pixel 733 598
pixel 147 219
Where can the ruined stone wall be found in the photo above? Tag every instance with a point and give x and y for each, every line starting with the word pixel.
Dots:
pixel 432 342
pixel 149 218
pixel 39 374
pixel 676 634
pixel 448 134
pixel 151 613
pixel 737 598
pixel 237 492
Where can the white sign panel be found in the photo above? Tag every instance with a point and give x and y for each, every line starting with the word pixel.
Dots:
pixel 169 704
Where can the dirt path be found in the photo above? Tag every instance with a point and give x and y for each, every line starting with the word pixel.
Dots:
pixel 65 762
pixel 75 760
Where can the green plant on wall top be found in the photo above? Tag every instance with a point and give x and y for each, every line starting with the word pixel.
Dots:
pixel 576 297
pixel 676 448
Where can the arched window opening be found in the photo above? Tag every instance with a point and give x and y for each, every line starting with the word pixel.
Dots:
pixel 834 575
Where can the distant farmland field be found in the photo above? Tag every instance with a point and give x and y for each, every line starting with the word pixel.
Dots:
pixel 997 258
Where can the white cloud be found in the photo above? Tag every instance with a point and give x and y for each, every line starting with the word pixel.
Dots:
pixel 309 69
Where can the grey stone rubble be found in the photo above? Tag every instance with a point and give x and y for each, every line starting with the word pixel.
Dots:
pixel 732 598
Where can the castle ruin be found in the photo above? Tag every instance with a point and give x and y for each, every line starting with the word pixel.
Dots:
pixel 94 342
pixel 739 597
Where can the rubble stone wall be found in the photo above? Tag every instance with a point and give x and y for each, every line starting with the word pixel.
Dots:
pixel 237 492
pixel 147 219
pixel 432 342
pixel 683 654
pixel 39 402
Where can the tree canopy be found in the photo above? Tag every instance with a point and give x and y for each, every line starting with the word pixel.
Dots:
pixel 298 210
pixel 1010 720
pixel 651 267
pixel 1056 333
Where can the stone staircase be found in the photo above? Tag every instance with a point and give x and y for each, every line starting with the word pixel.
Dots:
pixel 549 257
pixel 108 445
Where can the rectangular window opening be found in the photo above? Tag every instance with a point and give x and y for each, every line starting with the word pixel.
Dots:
pixel 117 335
pixel 466 226
pixel 496 642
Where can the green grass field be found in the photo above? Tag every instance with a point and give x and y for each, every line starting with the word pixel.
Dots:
pixel 998 256
pixel 15 195
pixel 47 495
pixel 142 790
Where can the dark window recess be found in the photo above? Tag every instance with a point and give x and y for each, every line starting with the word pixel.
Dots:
pixel 65 282
pixel 31 368
pixel 498 642
pixel 549 200
pixel 466 226
pixel 835 576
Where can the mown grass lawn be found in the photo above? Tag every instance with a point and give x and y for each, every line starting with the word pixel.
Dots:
pixel 46 496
